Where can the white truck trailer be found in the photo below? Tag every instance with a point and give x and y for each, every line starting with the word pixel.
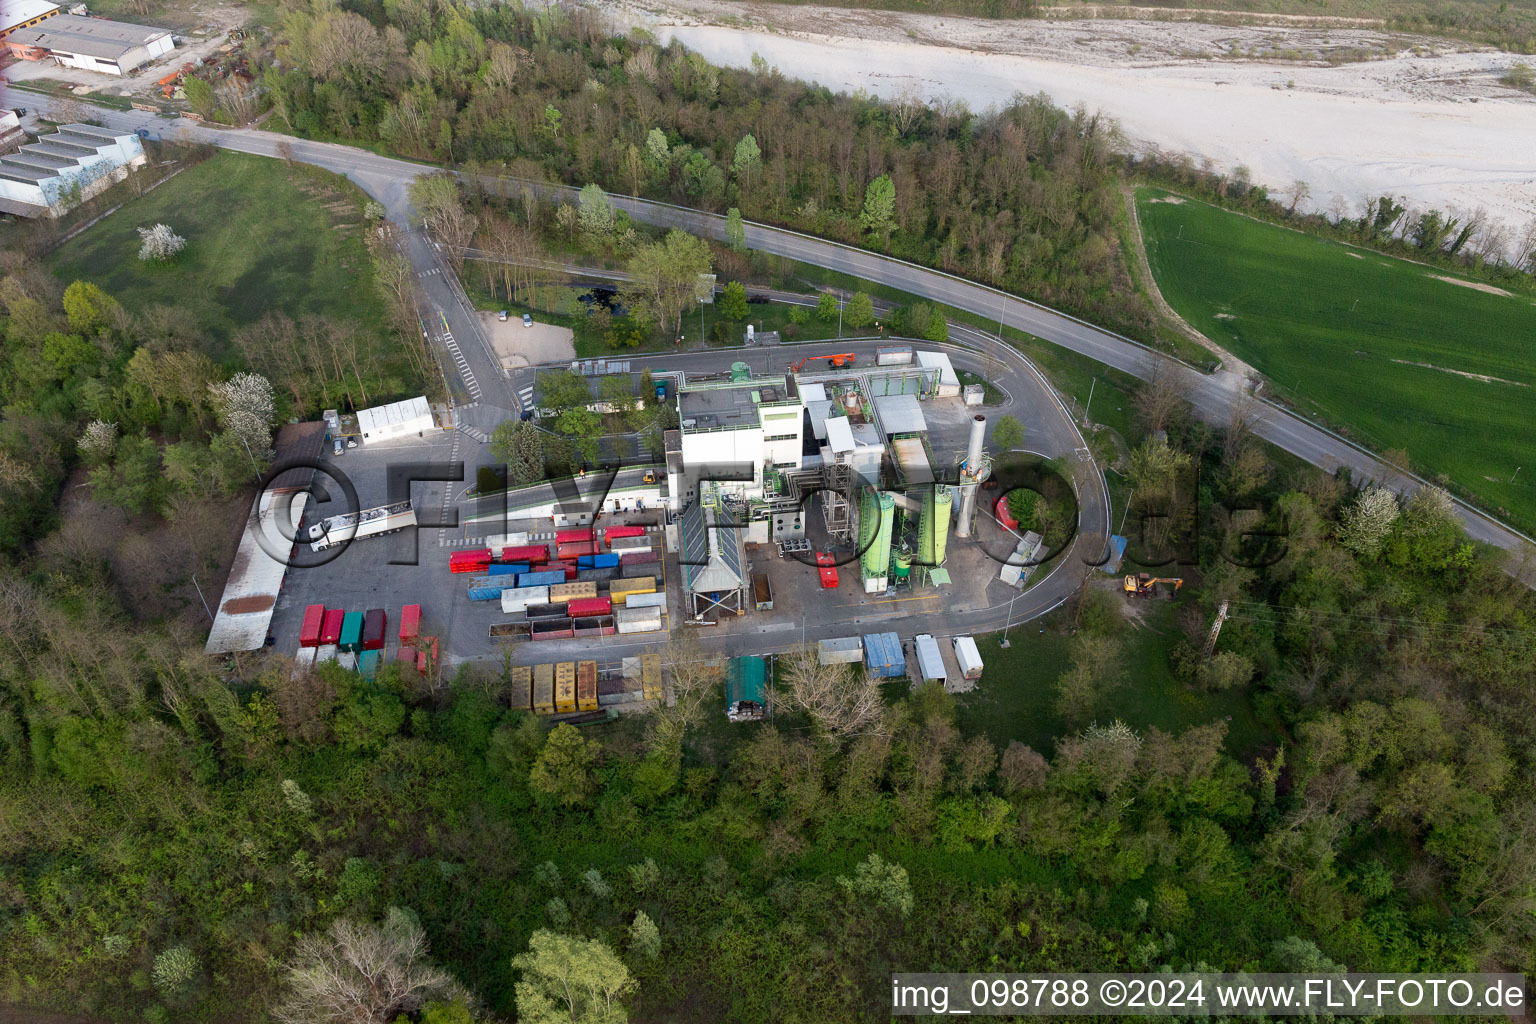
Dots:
pixel 352 526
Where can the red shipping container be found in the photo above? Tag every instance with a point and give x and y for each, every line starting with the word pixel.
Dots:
pixel 614 532
pixel 410 622
pixel 533 554
pixel 428 648
pixel 375 623
pixel 630 558
pixel 575 549
pixel 585 606
pixel 474 560
pixel 330 627
pixel 569 568
pixel 309 632
pixel 828 570
pixel 583 535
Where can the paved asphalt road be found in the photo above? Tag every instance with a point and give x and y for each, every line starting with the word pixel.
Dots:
pixel 1214 397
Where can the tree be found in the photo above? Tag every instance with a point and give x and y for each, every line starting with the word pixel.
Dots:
pixel 1224 670
pixel 666 275
pixel 644 936
pixel 562 773
pixel 567 980
pixel 520 447
pixel 880 882
pixel 159 244
pixel 596 217
pixel 1094 670
pixel 175 970
pixel 827 307
pixel 89 309
pixel 97 441
pixel 362 973
pixel 878 216
pixel 860 312
pixel 1022 769
pixel 1007 433
pixel 199 96
pixel 732 304
pixel 246 406
pixel 439 209
pixel 1366 524
pixel 735 230
pixel 842 703
pixel 747 160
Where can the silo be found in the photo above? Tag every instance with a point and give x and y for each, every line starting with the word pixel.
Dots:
pixel 933 526
pixel 970 475
pixel 869 521
pixel 881 508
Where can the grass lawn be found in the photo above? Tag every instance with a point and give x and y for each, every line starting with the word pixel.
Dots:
pixel 1378 347
pixel 1018 688
pixel 260 235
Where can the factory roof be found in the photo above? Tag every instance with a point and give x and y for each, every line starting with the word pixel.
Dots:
pixel 912 457
pixel 712 556
pixel 818 412
pixel 92 37
pixel 900 414
pixel 813 391
pixel 728 407
pixel 15 12
pixel 940 361
pixel 839 435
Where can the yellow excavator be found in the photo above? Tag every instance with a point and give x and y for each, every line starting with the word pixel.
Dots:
pixel 1145 585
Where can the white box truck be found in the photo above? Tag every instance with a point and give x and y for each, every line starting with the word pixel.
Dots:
pixel 968 657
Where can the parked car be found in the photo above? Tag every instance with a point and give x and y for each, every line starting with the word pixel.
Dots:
pixel 502 315
pixel 337 449
pixel 351 442
pixel 527 319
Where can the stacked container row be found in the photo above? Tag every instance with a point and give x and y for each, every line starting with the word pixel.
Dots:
pixel 518 599
pixel 563 592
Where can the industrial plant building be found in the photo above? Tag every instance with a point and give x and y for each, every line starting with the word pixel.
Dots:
pixel 58 171
pixel 838 457
pixel 89 44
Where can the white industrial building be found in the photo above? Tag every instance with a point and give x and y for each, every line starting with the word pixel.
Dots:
pixel 90 44
pixel 398 419
pixel 734 430
pixel 57 171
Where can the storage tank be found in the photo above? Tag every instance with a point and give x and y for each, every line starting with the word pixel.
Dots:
pixel 903 565
pixel 876 559
pixel 933 526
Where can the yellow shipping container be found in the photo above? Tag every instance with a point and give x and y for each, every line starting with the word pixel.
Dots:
pixel 521 690
pixel 544 689
pixel 565 686
pixel 560 593
pixel 619 590
pixel 650 676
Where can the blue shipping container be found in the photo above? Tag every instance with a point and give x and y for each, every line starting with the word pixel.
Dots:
pixel 607 561
pixel 485 588
pixel 883 656
pixel 541 579
pixel 507 568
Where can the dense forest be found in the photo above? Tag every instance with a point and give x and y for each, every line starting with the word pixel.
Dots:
pixel 187 840
pixel 1026 197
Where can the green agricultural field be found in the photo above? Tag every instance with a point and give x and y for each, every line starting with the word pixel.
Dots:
pixel 260 235
pixel 1392 352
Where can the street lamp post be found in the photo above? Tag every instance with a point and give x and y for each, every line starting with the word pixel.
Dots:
pixel 1008 621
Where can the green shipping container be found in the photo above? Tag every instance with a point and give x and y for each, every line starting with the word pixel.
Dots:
pixel 352 632
pixel 368 664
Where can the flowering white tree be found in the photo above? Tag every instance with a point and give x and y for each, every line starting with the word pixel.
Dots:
pixel 1364 526
pixel 159 243
pixel 246 407
pixel 98 440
